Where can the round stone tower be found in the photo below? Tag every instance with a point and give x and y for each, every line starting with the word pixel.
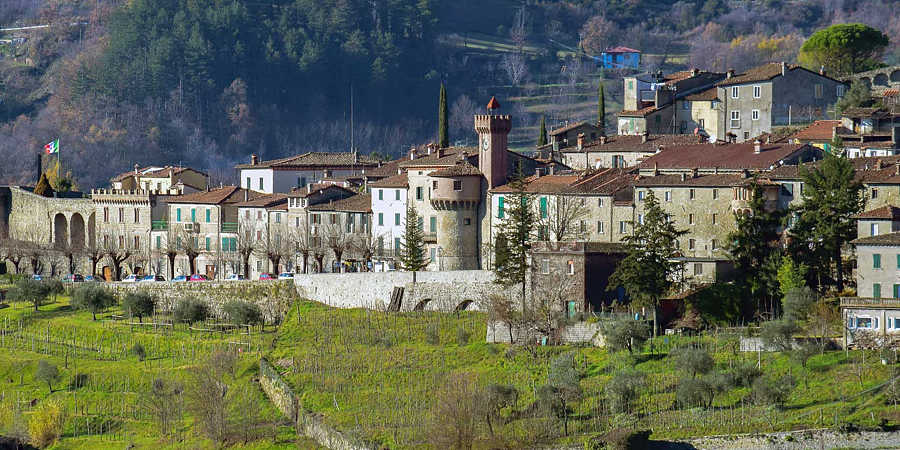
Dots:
pixel 455 197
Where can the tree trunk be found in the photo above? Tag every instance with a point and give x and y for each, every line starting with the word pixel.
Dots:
pixel 171 266
pixel 840 268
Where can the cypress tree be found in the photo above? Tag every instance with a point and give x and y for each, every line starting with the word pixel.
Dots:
pixel 412 257
pixel 542 138
pixel 601 107
pixel 443 136
pixel 43 187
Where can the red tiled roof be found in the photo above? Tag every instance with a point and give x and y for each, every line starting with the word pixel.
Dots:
pixel 763 73
pixel 643 112
pixel 223 195
pixel 725 156
pixel 887 212
pixel 396 181
pixel 635 143
pixel 621 49
pixel 493 103
pixel 603 182
pixel 443 157
pixel 890 92
pixel 154 172
pixel 313 189
pixel 264 201
pixel 881 239
pixel 314 159
pixel 387 169
pixel 704 96
pixel 570 127
pixel 460 169
pixel 700 180
pixel 356 203
pixel 820 130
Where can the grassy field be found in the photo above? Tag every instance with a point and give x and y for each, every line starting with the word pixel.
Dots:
pixel 102 383
pixel 375 375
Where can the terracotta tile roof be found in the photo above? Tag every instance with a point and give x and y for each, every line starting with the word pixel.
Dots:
pixel 570 127
pixel 547 184
pixel 704 96
pixel 887 212
pixel 223 195
pixel 314 189
pixel 758 73
pixel 890 93
pixel 314 159
pixel 881 239
pixel 621 49
pixel 603 182
pixel 675 77
pixel 820 130
pixel 357 203
pixel 633 143
pixel 387 169
pixel 716 180
pixel 874 112
pixel 443 157
pixel 643 112
pixel 460 169
pixel 493 103
pixel 154 172
pixel 264 201
pixel 724 156
pixel 396 181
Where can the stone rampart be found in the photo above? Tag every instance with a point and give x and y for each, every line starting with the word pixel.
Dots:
pixel 431 291
pixel 587 333
pixel 273 297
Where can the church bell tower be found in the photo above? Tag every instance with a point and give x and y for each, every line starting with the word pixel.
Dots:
pixel 493 130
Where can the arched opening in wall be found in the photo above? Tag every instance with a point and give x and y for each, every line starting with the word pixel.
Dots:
pixel 92 231
pixel 895 75
pixel 881 80
pixel 464 305
pixel 421 305
pixel 77 231
pixel 60 231
pixel 867 82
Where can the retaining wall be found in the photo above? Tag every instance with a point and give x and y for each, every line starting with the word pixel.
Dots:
pixel 273 297
pixel 431 291
pixel 576 333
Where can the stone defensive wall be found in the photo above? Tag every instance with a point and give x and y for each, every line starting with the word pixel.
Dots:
pixel 429 291
pixel 274 298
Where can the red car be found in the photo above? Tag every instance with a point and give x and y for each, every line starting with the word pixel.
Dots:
pixel 198 277
pixel 266 277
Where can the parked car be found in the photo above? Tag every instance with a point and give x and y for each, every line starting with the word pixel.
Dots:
pixel 180 278
pixel 92 279
pixel 132 278
pixel 286 276
pixel 199 277
pixel 73 278
pixel 37 277
pixel 153 278
pixel 235 277
pixel 266 277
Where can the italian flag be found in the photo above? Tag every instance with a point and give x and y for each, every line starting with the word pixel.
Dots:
pixel 52 147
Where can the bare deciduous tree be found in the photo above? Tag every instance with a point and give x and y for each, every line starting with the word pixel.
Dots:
pixel 516 68
pixel 456 413
pixel 551 292
pixel 518 33
pixel 247 244
pixel 338 241
pixel 115 248
pixel 566 218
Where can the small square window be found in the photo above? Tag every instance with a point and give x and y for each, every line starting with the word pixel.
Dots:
pixel 691 244
pixel 570 267
pixel 668 196
pixel 734 92
pixel 715 218
pixel 757 90
pixel 457 185
pixel 692 194
pixel 715 244
pixel 698 269
pixel 467 221
pixel 754 115
pixel 545 266
pixel 690 219
pixel 874 193
pixel 715 193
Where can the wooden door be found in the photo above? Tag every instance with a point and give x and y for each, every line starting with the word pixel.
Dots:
pixel 211 271
pixel 108 273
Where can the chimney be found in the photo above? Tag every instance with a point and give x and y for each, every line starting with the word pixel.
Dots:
pixel 538 171
pixel 757 146
pixel 683 176
pixel 695 71
pixel 897 168
pixel 655 169
pixel 254 160
pixel 745 173
pixel 879 164
pixel 580 141
pixel 716 170
pixel 602 139
pixel 309 188
pixel 822 70
pixel 552 169
pixel 659 148
pixel 413 153
pixel 135 170
pixel 729 73
pixel 440 152
pixel 694 172
pixel 246 194
pixel 784 68
pixel 644 136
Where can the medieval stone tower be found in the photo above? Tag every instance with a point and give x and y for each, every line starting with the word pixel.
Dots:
pixel 493 130
pixel 455 196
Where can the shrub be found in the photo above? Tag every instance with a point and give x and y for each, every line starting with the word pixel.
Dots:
pixel 47 423
pixel 432 334
pixel 778 334
pixel 138 304
pixel 625 439
pixel 562 388
pixel 693 392
pixel 797 302
pixel 625 334
pixel 497 397
pixel 772 392
pixel 29 290
pixel 743 375
pixel 240 312
pixel 138 350
pixel 695 360
pixel 623 389
pixel 93 298
pixel 46 372
pixel 462 336
pixel 191 310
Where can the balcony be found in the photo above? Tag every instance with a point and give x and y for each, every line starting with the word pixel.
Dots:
pixel 229 227
pixel 159 225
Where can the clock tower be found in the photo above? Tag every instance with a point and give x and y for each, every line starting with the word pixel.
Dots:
pixel 493 130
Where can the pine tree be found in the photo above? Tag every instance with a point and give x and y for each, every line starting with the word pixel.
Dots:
pixel 542 138
pixel 412 257
pixel 443 136
pixel 514 236
pixel 753 246
pixel 43 187
pixel 601 107
pixel 648 271
pixel 832 196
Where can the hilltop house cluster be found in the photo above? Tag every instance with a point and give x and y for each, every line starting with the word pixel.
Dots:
pixel 698 140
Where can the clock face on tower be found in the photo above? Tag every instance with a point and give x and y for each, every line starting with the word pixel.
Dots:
pixel 485 142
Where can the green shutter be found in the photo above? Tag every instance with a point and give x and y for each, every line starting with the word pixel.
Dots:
pixel 158 242
pixel 225 245
pixel 380 219
pixel 876 290
pixel 543 207
pixel 876 261
pixel 381 194
pixel 208 215
pixel 207 244
pixel 898 260
pixel 897 291
pixel 500 211
pixel 178 214
pixel 433 224
pixel 193 214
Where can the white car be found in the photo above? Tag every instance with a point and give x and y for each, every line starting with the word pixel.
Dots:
pixel 132 278
pixel 235 277
pixel 286 276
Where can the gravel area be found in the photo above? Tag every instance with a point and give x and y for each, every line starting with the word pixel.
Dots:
pixel 797 440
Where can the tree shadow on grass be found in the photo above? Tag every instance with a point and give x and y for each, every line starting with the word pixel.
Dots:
pixel 669 445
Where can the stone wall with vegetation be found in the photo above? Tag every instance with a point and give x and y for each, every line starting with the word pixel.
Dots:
pixel 274 298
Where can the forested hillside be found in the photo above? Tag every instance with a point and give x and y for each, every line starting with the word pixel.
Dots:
pixel 207 82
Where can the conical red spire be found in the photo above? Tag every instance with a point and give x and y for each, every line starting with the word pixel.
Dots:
pixel 493 104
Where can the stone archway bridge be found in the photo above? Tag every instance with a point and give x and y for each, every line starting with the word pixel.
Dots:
pixel 879 79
